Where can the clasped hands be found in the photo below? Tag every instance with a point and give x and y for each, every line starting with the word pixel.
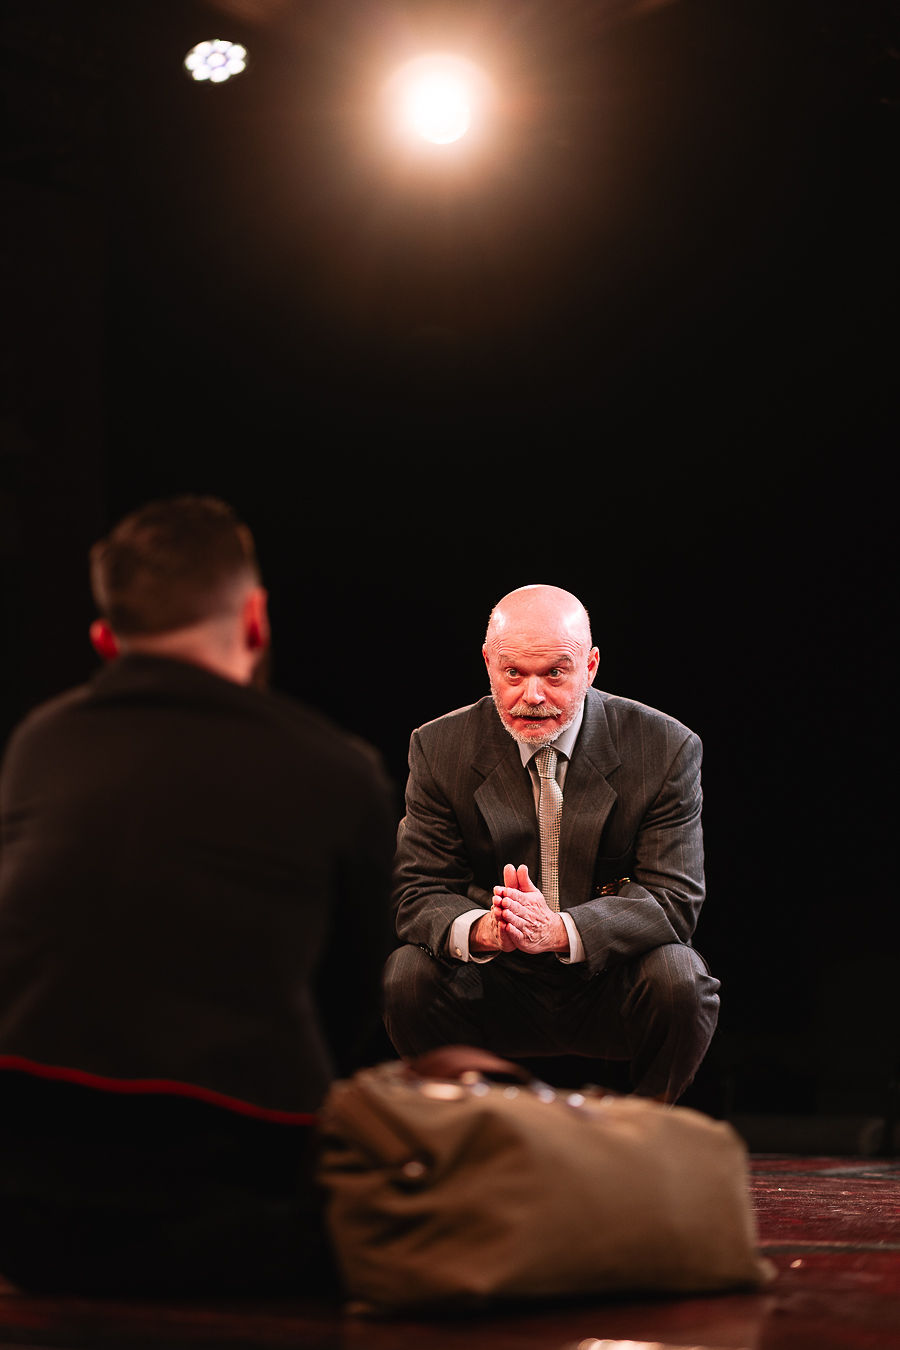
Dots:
pixel 519 919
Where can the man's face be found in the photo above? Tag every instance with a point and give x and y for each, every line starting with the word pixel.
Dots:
pixel 539 680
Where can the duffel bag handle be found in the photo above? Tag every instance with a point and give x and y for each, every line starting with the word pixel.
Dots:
pixel 451 1063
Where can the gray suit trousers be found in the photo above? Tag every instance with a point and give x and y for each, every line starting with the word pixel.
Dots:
pixel 658 1011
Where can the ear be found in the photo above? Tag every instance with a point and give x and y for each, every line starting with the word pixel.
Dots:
pixel 593 663
pixel 487 659
pixel 103 640
pixel 255 620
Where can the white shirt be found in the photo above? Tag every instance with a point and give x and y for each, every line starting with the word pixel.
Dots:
pixel 460 928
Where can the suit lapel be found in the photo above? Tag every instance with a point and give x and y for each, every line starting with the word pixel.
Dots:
pixel 506 803
pixel 587 801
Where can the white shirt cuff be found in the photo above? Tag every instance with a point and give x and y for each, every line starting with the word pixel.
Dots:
pixel 576 946
pixel 458 945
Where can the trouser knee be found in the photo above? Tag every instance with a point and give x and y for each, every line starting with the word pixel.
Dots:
pixel 671 1014
pixel 410 979
pixel 676 982
pixel 414 989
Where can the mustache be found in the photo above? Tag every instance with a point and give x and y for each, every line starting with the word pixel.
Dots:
pixel 535 714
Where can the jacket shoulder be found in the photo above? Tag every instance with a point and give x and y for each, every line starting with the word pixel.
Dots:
pixel 312 727
pixel 626 713
pixel 45 716
pixel 473 720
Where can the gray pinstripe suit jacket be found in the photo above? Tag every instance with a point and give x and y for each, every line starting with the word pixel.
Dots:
pixel 632 808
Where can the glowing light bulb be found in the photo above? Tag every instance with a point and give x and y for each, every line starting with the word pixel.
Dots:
pixel 216 60
pixel 437 97
pixel 438 107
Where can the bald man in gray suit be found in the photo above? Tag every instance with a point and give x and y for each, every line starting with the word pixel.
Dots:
pixel 539 925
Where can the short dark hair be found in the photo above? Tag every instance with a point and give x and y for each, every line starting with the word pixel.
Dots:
pixel 172 563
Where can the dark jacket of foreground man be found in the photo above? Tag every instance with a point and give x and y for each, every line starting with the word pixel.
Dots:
pixel 193 922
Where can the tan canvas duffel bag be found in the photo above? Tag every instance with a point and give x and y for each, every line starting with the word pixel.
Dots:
pixel 456 1191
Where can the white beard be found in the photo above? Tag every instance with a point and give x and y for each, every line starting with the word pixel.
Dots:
pixel 538 742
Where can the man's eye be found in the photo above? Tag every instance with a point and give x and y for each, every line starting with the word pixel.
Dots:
pixel 512 673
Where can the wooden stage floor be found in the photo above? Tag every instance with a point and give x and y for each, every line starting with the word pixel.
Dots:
pixel 830 1225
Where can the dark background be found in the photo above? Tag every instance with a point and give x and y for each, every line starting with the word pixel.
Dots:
pixel 655 320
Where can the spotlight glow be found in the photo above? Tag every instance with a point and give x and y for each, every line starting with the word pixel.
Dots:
pixel 437 97
pixel 216 60
pixel 438 107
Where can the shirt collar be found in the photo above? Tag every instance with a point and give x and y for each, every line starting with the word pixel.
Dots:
pixel 564 743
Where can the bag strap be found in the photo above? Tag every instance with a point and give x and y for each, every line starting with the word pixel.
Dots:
pixel 453 1062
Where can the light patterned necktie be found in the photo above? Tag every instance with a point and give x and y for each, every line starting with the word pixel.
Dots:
pixel 550 804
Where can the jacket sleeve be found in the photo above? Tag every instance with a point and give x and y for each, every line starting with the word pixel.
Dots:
pixel 661 902
pixel 433 876
pixel 348 982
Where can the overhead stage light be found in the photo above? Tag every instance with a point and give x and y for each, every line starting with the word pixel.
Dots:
pixel 437 97
pixel 438 107
pixel 216 60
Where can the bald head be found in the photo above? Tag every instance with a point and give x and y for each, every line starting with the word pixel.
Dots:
pixel 540 661
pixel 542 608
